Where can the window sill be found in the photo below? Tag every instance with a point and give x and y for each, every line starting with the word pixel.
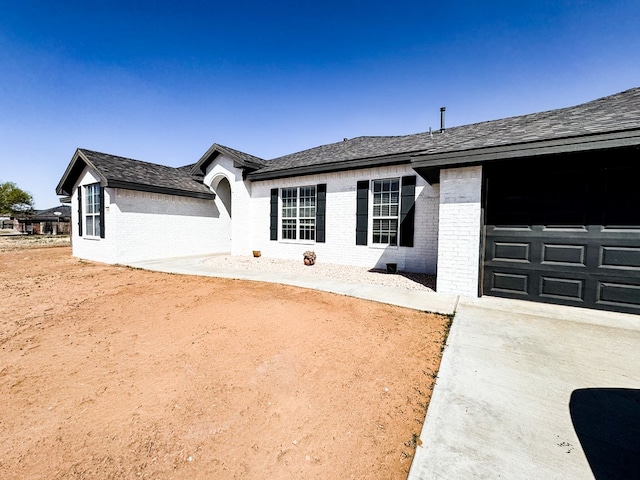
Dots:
pixel 381 246
pixel 297 242
pixel 91 238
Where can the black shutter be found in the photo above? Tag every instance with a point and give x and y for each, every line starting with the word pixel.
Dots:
pixel 274 215
pixel 101 212
pixel 79 211
pixel 407 210
pixel 362 212
pixel 321 206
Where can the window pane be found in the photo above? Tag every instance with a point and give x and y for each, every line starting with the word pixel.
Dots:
pixel 307 202
pixel 289 229
pixel 386 206
pixel 385 231
pixel 307 229
pixel 289 203
pixel 93 198
pixel 89 224
pixel 89 196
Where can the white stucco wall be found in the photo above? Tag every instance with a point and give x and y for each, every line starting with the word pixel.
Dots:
pixel 142 226
pixel 460 231
pixel 340 246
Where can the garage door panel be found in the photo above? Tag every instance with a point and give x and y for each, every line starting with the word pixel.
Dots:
pixel 512 251
pixel 513 283
pixel 553 253
pixel 620 257
pixel 623 296
pixel 581 245
pixel 562 288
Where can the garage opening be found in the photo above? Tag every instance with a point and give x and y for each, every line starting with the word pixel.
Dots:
pixel 565 229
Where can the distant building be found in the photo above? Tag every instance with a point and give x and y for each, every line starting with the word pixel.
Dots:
pixel 52 221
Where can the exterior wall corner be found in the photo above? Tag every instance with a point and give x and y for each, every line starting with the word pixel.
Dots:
pixel 459 233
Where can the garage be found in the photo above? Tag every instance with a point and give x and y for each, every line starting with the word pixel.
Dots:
pixel 564 229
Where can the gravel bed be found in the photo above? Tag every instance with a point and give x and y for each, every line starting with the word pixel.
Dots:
pixel 412 281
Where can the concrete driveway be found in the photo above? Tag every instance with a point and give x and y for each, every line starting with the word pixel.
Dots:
pixel 527 390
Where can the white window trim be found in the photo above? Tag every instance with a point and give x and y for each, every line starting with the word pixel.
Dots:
pixel 281 217
pixel 372 218
pixel 86 213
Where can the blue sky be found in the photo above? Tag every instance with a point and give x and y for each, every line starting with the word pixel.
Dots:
pixel 161 81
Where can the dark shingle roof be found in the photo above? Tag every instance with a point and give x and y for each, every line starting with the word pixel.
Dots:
pixel 240 159
pixel 247 159
pixel 121 172
pixel 48 214
pixel 613 113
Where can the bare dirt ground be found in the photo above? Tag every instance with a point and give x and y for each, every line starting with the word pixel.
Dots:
pixel 111 372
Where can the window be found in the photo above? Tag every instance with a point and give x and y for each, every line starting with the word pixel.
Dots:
pixel 92 210
pixel 386 203
pixel 298 213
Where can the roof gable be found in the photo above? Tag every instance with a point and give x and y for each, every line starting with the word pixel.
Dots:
pixel 240 159
pixel 121 172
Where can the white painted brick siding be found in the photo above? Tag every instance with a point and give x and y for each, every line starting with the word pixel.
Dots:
pixel 340 246
pixel 142 226
pixel 459 231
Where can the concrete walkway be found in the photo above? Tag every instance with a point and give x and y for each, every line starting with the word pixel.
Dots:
pixel 403 297
pixel 525 390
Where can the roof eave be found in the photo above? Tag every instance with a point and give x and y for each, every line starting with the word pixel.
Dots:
pixel 158 189
pixel 476 156
pixel 356 164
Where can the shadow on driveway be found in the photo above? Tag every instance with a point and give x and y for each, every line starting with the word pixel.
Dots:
pixel 607 421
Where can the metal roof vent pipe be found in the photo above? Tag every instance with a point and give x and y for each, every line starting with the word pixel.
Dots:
pixel 442 109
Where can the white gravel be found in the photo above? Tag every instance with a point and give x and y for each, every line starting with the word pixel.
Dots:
pixel 413 281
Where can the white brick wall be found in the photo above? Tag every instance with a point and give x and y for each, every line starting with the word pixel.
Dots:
pixel 459 232
pixel 142 226
pixel 340 244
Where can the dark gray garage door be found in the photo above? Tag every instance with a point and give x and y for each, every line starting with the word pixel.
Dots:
pixel 565 230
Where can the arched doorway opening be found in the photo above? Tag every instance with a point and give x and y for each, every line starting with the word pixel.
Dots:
pixel 223 192
pixel 223 205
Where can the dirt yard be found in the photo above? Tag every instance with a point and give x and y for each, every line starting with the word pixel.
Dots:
pixel 111 372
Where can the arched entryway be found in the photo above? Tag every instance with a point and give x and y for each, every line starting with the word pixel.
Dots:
pixel 223 192
pixel 222 188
